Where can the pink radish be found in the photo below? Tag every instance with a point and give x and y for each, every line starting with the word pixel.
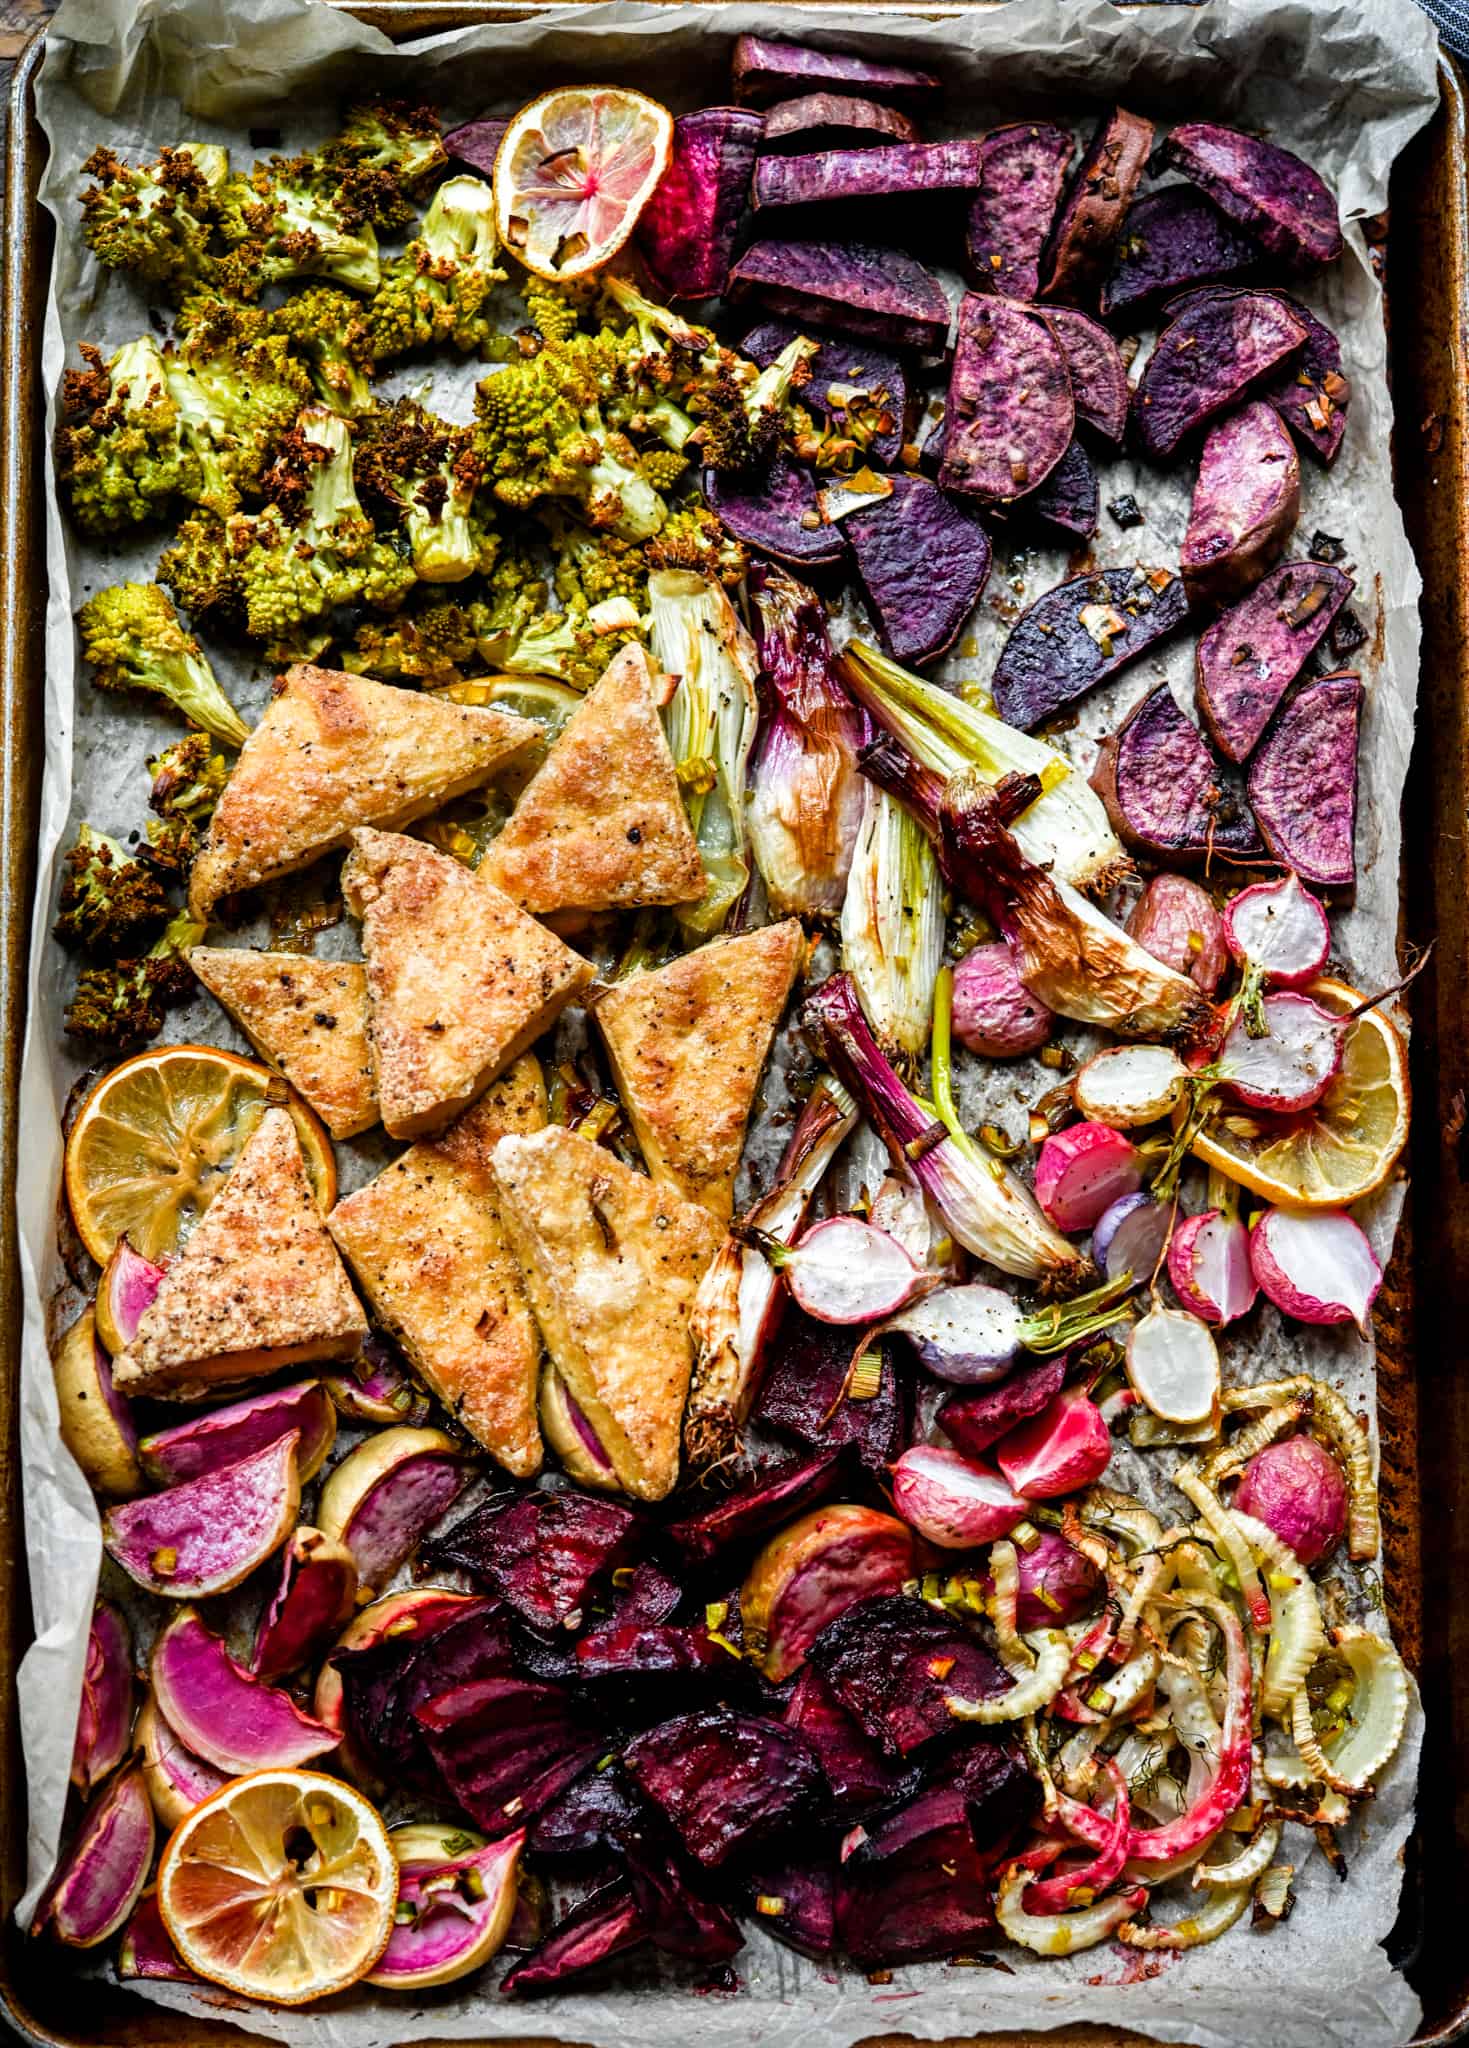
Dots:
pixel 953 1502
pixel 1209 1265
pixel 995 1014
pixel 1130 1237
pixel 1065 1447
pixel 1290 1065
pixel 1081 1171
pixel 1297 1489
pixel 124 1292
pixel 1129 1085
pixel 1315 1265
pixel 1279 933
pixel 1175 920
pixel 1173 1364
pixel 846 1271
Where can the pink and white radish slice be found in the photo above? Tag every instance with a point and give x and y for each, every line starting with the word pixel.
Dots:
pixel 1173 1364
pixel 1082 1171
pixel 1065 1447
pixel 1315 1265
pixel 951 1500
pixel 1209 1265
pixel 1130 1238
pixel 1288 1067
pixel 1130 1085
pixel 970 1335
pixel 1280 935
pixel 845 1271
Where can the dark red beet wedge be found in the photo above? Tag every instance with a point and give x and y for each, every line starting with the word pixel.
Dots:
pixel 857 1773
pixel 544 1553
pixel 589 1818
pixel 680 1919
pixel 738 1524
pixel 384 1684
pixel 726 1781
pixel 505 1748
pixel 605 1925
pixel 796 1902
pixel 893 1663
pixel 802 1394
pixel 976 1420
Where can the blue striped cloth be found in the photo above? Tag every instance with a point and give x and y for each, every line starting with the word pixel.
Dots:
pixel 1452 17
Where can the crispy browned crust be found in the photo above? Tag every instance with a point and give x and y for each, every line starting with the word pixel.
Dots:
pixel 461 981
pixel 427 1244
pixel 611 1263
pixel 258 1286
pixel 601 825
pixel 334 751
pixel 308 1018
pixel 688 1044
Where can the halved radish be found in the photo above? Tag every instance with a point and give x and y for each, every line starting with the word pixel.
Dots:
pixel 972 1334
pixel 1065 1447
pixel 223 1714
pixel 1278 932
pixel 1130 1237
pixel 1209 1265
pixel 455 1904
pixel 105 1715
pixel 171 1457
pixel 314 1598
pixel 1298 1489
pixel 573 171
pixel 1173 1363
pixel 1315 1265
pixel 417 1610
pixel 1130 1085
pixel 209 1534
pixel 1289 1065
pixel 102 1875
pixel 126 1289
pixel 814 1570
pixel 951 1500
pixel 177 1780
pixel 1081 1171
pixel 96 1421
pixel 385 1495
pixel 572 1437
pixel 846 1271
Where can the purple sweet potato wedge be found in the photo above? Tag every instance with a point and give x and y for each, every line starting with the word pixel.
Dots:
pixel 601 1927
pixel 802 1394
pixel 1281 201
pixel 881 294
pixel 898 169
pixel 505 1747
pixel 1090 221
pixel 1309 392
pixel 1246 500
pixel 1217 350
pixel 1098 373
pixel 893 1662
pixel 796 1902
pixel 1079 634
pixel 476 143
pixel 726 1781
pixel 976 1420
pixel 1070 498
pixel 1166 793
pixel 687 229
pixel 739 1523
pixel 1303 782
pixel 1010 413
pixel 764 71
pixel 1171 240
pixel 1010 216
pixel 860 388
pixel 1251 655
pixel 858 1775
pixel 923 561
pixel 776 513
pixel 832 120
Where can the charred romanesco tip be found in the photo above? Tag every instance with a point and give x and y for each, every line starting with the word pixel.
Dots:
pixel 236 398
pixel 108 901
pixel 155 220
pixel 188 780
pixel 200 570
pixel 119 454
pixel 386 153
pixel 329 329
pixel 132 636
pixel 435 646
pixel 693 538
pixel 438 291
pixel 592 568
pixel 425 473
pixel 288 219
pixel 125 1003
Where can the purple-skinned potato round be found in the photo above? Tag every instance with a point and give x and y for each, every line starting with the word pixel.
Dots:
pixel 1246 501
pixel 1091 218
pixel 1303 782
pixel 1010 412
pixel 1207 360
pixel 1023 170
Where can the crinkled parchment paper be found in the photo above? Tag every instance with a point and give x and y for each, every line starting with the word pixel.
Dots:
pixel 1346 83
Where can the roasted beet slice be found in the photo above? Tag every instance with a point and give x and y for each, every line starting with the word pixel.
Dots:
pixel 1167 794
pixel 643 1593
pixel 797 1903
pixel 763 71
pixel 1252 653
pixel 476 143
pixel 860 388
pixel 589 1818
pixel 1310 393
pixel 1090 222
pixel 1070 497
pixel 978 1419
pixel 384 1684
pixel 1303 782
pixel 505 1747
pixel 898 170
pixel 923 561
pixel 893 1663
pixel 1281 201
pixel 726 1781
pixel 687 229
pixel 802 1394
pixel 858 1775
pixel 603 1926
pixel 1010 412
pixel 738 1524
pixel 1208 359
pixel 832 120
pixel 1172 239
pixel 1079 634
pixel 1098 373
pixel 681 1920
pixel 983 1786
pixel 664 1649
pixel 1010 216
pixel 776 512
pixel 1246 500
pixel 881 294
pixel 544 1553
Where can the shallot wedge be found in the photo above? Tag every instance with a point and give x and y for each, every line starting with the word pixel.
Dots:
pixel 1082 1170
pixel 1316 1266
pixel 845 1271
pixel 1173 1364
pixel 221 1713
pixel 1209 1266
pixel 953 1502
pixel 971 1335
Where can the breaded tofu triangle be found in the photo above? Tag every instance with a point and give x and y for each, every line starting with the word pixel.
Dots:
pixel 258 1286
pixel 611 1262
pixel 688 1043
pixel 460 981
pixel 601 824
pixel 308 1018
pixel 429 1250
pixel 334 751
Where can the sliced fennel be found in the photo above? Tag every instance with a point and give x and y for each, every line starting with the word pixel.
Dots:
pixel 893 923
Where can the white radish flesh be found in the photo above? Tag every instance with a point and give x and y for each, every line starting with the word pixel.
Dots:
pixel 1291 1067
pixel 1209 1265
pixel 1082 1171
pixel 1281 930
pixel 1130 1085
pixel 845 1271
pixel 1315 1265
pixel 1173 1364
pixel 965 1335
pixel 952 1501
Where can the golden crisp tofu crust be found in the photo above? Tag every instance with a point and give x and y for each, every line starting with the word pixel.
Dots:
pixel 257 1287
pixel 611 1263
pixel 688 1044
pixel 334 751
pixel 427 1244
pixel 460 980
pixel 601 825
pixel 308 1018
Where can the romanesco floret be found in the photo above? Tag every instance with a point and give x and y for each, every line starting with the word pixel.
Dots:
pixel 286 219
pixel 386 153
pixel 437 292
pixel 108 899
pixel 188 780
pixel 328 328
pixel 125 1003
pixel 427 474
pixel 434 646
pixel 741 419
pixel 154 220
pixel 199 570
pixel 119 456
pixel 593 567
pixel 556 310
pixel 572 647
pixel 132 636
pixel 693 538
pixel 235 400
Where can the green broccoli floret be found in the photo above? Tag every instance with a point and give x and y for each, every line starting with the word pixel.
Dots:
pixel 592 568
pixel 693 538
pixel 154 220
pixel 286 219
pixel 132 636
pixel 385 153
pixel 108 899
pixel 119 454
pixel 426 473
pixel 125 1003
pixel 327 327
pixel 438 290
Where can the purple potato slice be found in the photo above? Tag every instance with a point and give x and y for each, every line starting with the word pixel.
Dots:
pixel 881 294
pixel 1166 793
pixel 1251 655
pixel 1171 240
pixel 1079 634
pixel 726 1781
pixel 1310 393
pixel 832 120
pixel 687 229
pixel 477 143
pixel 1098 373
pixel 606 1924
pixel 1246 501
pixel 924 562
pixel 979 1419
pixel 1090 221
pixel 1070 498
pixel 1303 782
pixel 1010 216
pixel 900 169
pixel 1010 413
pixel 892 1662
pixel 1219 348
pixel 777 513
pixel 860 388
pixel 764 70
pixel 1281 201
pixel 739 1523
pixel 802 1394
pixel 506 1747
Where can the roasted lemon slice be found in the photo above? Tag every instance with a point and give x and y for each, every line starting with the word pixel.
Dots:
pixel 573 172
